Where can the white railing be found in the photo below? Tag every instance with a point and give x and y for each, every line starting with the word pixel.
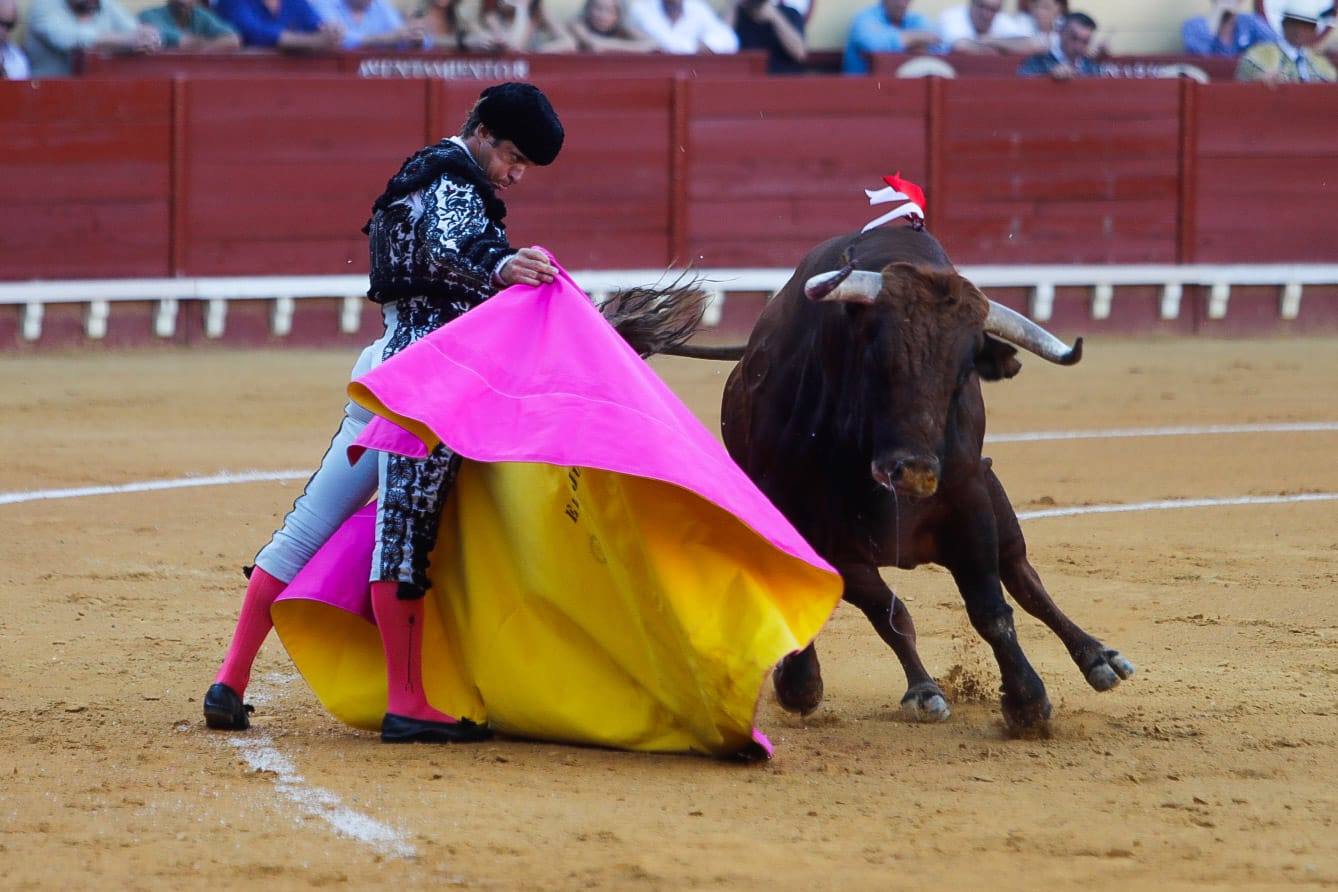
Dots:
pixel 283 291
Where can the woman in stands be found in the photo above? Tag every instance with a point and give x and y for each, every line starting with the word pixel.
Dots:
pixel 602 28
pixel 522 26
pixel 1047 17
pixel 449 27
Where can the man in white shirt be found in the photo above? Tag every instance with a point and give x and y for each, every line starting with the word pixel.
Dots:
pixel 981 27
pixel 13 63
pixel 683 26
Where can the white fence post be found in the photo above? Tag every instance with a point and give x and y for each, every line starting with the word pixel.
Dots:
pixel 215 317
pixel 31 323
pixel 1103 295
pixel 1290 306
pixel 95 319
pixel 281 317
pixel 165 318
pixel 350 315
pixel 1171 293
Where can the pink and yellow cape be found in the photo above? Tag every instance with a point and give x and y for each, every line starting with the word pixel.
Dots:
pixel 604 573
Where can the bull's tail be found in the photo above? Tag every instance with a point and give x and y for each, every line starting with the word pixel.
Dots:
pixel 730 353
pixel 660 320
pixel 654 319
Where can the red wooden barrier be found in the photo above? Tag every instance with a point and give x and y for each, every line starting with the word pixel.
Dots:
pixel 776 166
pixel 241 64
pixel 275 175
pixel 433 65
pixel 279 175
pixel 84 179
pixel 1266 173
pixel 437 65
pixel 1043 172
pixel 971 66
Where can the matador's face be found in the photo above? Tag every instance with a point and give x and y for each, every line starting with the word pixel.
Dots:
pixel 502 162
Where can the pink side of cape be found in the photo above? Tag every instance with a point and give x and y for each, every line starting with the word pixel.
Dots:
pixel 535 374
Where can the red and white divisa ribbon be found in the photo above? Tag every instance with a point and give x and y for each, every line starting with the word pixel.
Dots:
pixel 897 190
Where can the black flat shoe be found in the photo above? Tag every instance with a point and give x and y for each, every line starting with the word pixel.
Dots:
pixel 224 710
pixel 402 729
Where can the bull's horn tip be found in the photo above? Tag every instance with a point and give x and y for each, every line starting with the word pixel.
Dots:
pixel 1074 356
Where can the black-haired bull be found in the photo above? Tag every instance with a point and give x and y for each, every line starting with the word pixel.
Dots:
pixel 857 409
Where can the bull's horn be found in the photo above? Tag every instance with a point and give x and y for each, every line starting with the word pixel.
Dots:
pixel 1018 329
pixel 853 286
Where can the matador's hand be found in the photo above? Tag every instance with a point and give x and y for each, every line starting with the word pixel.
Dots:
pixel 529 266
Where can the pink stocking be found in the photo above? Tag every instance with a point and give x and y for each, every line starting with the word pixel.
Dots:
pixel 401 626
pixel 252 626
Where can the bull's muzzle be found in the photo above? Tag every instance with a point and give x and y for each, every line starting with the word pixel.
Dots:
pixel 912 475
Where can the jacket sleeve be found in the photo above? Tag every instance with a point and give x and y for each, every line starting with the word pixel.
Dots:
pixel 454 235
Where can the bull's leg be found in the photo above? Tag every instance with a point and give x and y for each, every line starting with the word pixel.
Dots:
pixel 971 555
pixel 798 681
pixel 865 588
pixel 1103 667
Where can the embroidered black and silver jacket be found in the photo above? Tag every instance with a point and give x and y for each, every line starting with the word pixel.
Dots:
pixel 437 232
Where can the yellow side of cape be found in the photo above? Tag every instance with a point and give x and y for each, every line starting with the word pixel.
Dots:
pixel 582 606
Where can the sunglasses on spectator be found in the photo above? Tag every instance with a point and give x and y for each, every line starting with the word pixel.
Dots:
pixel 9 24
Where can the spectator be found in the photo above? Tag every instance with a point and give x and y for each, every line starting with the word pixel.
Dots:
pixel 1225 31
pixel 522 26
pixel 981 27
pixel 446 26
pixel 13 63
pixel 1069 59
pixel 57 29
pixel 1291 58
pixel 186 26
pixel 776 27
pixel 1046 17
pixel 281 24
pixel 886 27
pixel 683 26
pixel 368 23
pixel 1328 29
pixel 602 28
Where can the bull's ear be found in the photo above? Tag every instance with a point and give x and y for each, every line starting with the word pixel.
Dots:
pixel 997 360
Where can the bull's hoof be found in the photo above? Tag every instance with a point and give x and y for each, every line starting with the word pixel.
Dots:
pixel 798 684
pixel 1030 719
pixel 1109 670
pixel 925 703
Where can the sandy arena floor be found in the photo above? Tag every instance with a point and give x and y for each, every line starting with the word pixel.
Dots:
pixel 1217 765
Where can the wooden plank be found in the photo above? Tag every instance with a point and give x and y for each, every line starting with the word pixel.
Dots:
pixel 1186 215
pixel 281 174
pixel 778 166
pixel 1039 172
pixel 1296 119
pixel 87 179
pixel 249 63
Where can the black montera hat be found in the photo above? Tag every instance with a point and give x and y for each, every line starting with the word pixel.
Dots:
pixel 522 114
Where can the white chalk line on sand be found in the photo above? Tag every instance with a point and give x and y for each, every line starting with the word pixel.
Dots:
pixel 1173 504
pixel 1118 433
pixel 226 479
pixel 261 755
pixel 37 495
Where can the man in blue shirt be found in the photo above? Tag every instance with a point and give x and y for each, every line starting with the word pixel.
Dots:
pixel 282 24
pixel 1068 58
pixel 885 27
pixel 369 23
pixel 1225 31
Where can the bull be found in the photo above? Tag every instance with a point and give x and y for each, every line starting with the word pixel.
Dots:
pixel 857 409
